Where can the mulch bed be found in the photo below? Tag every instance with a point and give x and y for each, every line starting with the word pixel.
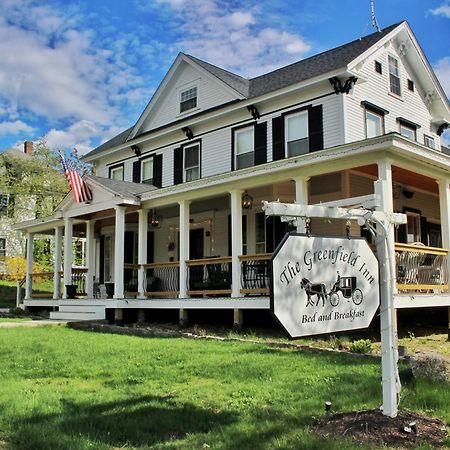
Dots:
pixel 373 428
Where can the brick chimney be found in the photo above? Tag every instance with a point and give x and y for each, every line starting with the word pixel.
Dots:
pixel 28 148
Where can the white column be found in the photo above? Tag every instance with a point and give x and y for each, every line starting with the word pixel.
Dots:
pixel 236 242
pixel 90 257
pixel 389 352
pixel 184 246
pixel 301 198
pixel 29 268
pixel 57 263
pixel 142 250
pixel 119 251
pixel 68 256
pixel 444 204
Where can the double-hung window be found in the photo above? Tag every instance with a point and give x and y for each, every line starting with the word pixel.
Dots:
pixel 408 131
pixel 374 124
pixel 192 162
pixel 429 141
pixel 297 139
pixel 147 171
pixel 394 76
pixel 116 173
pixel 188 99
pixel 244 147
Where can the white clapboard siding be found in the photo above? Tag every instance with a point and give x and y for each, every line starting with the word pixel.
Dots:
pixel 410 105
pixel 210 93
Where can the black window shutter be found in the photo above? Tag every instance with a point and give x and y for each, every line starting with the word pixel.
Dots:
pixel 157 171
pixel 137 172
pixel 424 230
pixel 260 143
pixel 278 138
pixel 315 128
pixel 178 165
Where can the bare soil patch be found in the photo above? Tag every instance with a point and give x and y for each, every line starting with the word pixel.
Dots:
pixel 371 427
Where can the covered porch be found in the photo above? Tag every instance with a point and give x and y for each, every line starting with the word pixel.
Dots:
pixel 207 244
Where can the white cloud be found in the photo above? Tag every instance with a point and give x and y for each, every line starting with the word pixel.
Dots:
pixel 442 70
pixel 233 38
pixel 16 127
pixel 443 10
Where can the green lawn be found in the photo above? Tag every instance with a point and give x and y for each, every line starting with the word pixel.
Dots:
pixel 14 319
pixel 67 389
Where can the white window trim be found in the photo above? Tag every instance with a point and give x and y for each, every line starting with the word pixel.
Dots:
pixel 408 127
pixel 185 88
pixel 146 160
pixel 374 113
pixel 399 96
pixel 238 131
pixel 286 128
pixel 197 144
pixel 116 169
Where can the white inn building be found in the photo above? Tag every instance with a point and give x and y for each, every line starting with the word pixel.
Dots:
pixel 176 218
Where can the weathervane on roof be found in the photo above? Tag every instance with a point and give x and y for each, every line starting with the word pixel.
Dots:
pixel 373 17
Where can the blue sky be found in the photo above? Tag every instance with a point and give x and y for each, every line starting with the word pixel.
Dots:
pixel 79 72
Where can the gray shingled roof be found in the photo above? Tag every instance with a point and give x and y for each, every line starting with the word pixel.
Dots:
pixel 236 82
pixel 300 71
pixel 122 188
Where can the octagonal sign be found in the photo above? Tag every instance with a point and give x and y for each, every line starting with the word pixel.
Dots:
pixel 323 284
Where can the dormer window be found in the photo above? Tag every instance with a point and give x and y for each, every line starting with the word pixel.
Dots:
pixel 394 76
pixel 188 99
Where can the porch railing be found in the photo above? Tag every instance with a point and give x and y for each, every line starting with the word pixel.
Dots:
pixel 209 276
pixel 162 279
pixel 79 275
pixel 421 268
pixel 255 274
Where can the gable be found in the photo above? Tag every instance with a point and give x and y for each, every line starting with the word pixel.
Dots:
pixel 185 74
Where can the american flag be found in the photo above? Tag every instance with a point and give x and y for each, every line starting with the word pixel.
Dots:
pixel 80 190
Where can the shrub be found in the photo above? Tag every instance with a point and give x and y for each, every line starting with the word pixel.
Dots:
pixel 361 346
pixel 16 268
pixel 433 367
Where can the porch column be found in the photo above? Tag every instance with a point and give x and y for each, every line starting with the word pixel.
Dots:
pixel 142 250
pixel 29 268
pixel 119 251
pixel 388 325
pixel 301 198
pixel 90 258
pixel 68 235
pixel 57 263
pixel 444 206
pixel 184 245
pixel 236 242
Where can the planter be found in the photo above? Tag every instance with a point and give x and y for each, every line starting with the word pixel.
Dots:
pixel 109 290
pixel 71 290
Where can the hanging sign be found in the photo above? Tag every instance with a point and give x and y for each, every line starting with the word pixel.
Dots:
pixel 323 284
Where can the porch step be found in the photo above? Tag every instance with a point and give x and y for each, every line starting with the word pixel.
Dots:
pixel 81 308
pixel 77 315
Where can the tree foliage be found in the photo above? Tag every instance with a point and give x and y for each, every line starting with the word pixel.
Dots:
pixel 35 183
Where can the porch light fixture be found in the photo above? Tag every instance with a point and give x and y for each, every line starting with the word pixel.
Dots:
pixel 188 132
pixel 247 201
pixel 155 221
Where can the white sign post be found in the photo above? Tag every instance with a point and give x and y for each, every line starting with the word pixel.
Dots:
pixel 379 223
pixel 324 285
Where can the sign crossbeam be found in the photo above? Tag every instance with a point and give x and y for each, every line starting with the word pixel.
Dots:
pixel 380 224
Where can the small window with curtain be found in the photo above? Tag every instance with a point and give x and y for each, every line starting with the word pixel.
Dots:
pixel 147 171
pixel 4 198
pixel 188 99
pixel 192 162
pixel 296 131
pixel 244 147
pixel 2 247
pixel 394 76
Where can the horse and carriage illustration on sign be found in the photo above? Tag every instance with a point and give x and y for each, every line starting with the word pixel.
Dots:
pixel 344 286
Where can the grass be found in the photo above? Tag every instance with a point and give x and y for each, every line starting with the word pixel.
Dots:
pixel 68 389
pixel 14 319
